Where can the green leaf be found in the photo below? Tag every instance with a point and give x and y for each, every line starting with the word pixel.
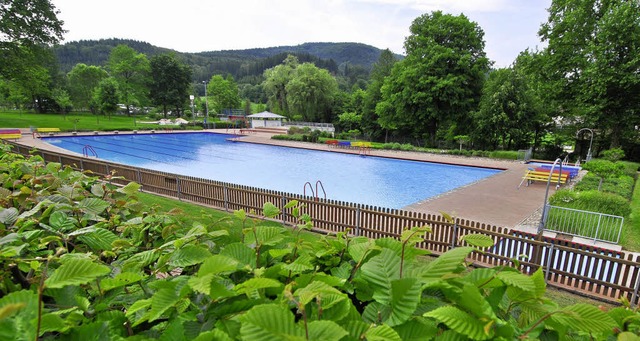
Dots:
pixel 461 322
pixel 93 205
pixel 382 333
pixel 414 235
pixel 417 329
pixel 252 284
pixel 472 300
pixel 270 210
pixel 76 271
pixel 9 309
pixel 189 255
pixel 218 264
pixel 517 280
pixel 380 271
pixel 326 330
pixel 99 239
pixel 479 240
pixel 269 322
pixel 586 318
pixel 161 301
pixel 358 251
pixel 240 214
pixel 448 263
pixel 405 296
pixel 130 189
pixel 243 254
pixel 61 222
pixel 122 279
pixel 52 323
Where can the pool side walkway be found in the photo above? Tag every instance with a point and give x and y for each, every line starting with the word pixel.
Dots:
pixel 495 200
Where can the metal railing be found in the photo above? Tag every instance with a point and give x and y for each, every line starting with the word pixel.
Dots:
pixel 591 225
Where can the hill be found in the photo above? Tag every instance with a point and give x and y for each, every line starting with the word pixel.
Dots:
pixel 245 65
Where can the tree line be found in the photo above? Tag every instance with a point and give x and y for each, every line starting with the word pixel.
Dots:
pixel 444 92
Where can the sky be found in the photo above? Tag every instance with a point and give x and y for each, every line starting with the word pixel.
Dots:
pixel 510 26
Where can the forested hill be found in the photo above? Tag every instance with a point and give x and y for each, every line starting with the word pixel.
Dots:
pixel 245 65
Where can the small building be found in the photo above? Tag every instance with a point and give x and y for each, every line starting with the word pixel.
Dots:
pixel 265 119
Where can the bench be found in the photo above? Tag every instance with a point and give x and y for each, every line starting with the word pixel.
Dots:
pixel 534 175
pixel 10 134
pixel 48 130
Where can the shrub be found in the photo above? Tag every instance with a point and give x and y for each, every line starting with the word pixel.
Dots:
pixel 593 201
pixel 613 155
pixel 623 185
pixel 604 168
pixel 504 154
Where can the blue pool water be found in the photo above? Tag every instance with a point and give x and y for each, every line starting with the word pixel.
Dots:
pixel 367 180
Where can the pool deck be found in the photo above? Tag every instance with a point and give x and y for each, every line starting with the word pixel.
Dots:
pixel 495 200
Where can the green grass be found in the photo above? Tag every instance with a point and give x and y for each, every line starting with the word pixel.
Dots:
pixel 631 227
pixel 85 121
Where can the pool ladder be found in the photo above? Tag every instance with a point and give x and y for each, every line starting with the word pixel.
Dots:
pixel 316 193
pixel 87 151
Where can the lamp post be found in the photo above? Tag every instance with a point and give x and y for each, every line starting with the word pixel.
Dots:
pixel 193 111
pixel 590 142
pixel 206 105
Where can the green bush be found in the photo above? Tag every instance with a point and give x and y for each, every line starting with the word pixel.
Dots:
pixel 622 186
pixel 504 154
pixel 605 168
pixel 613 155
pixel 594 201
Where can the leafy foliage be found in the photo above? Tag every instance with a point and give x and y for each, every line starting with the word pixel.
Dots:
pixel 83 259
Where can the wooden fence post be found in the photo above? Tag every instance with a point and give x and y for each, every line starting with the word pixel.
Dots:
pixel 226 198
pixel 178 188
pixel 358 213
pixel 549 255
pixel 634 297
pixel 283 201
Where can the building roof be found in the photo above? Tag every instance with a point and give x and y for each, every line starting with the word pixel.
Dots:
pixel 265 114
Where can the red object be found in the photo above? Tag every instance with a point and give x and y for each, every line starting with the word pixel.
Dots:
pixel 557 170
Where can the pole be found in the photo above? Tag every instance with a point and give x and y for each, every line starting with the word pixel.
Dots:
pixel 546 195
pixel 590 142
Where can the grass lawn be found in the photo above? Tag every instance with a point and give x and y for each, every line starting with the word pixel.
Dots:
pixel 631 228
pixel 73 121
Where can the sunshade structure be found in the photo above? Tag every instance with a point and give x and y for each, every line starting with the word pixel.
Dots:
pixel 266 119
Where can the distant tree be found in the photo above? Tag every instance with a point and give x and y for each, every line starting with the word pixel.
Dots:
pixel 224 93
pixel 436 87
pixel 310 93
pixel 381 69
pixel 62 100
pixel 593 63
pixel 106 96
pixel 275 82
pixel 83 79
pixel 131 70
pixel 170 83
pixel 25 27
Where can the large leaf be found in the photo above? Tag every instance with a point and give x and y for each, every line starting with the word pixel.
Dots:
pixel 243 254
pixel 382 333
pixel 448 263
pixel 269 322
pixel 21 308
pixel 405 296
pixel 326 330
pixel 98 239
pixel 218 264
pixel 122 279
pixel 76 271
pixel 161 301
pixel 189 255
pixel 380 271
pixel 585 318
pixel 253 284
pixel 461 322
pixel 479 240
pixel 130 189
pixel 473 301
pixel 92 205
pixel 417 329
pixel 270 210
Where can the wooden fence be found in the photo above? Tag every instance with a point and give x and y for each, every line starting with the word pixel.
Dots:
pixel 600 273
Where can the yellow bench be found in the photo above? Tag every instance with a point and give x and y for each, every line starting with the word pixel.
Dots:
pixel 532 175
pixel 48 130
pixel 10 136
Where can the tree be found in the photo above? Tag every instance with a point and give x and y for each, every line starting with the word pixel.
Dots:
pixel 131 70
pixel 593 62
pixel 507 112
pixel 224 93
pixel 106 96
pixel 310 93
pixel 25 26
pixel 170 82
pixel 380 70
pixel 275 82
pixel 434 89
pixel 83 79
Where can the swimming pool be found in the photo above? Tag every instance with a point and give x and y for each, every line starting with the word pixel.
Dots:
pixel 369 180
